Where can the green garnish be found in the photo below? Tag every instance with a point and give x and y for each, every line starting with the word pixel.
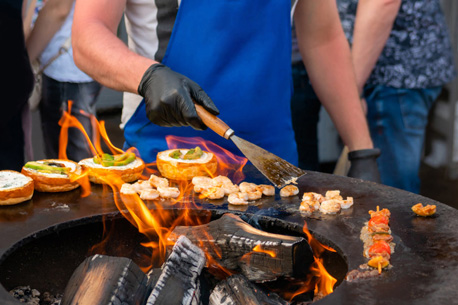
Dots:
pixel 176 154
pixel 107 160
pixel 193 154
pixel 48 167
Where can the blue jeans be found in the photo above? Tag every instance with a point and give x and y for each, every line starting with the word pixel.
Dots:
pixel 397 120
pixel 55 96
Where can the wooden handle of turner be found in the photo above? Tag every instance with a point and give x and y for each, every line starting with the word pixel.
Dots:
pixel 214 123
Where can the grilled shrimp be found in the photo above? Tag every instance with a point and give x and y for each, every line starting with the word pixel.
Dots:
pixel 239 198
pixel 149 194
pixel 306 209
pixel 289 190
pixel 127 189
pixel 347 203
pixel 201 183
pixel 246 187
pixel 226 184
pixel 267 190
pixel 333 195
pixel 213 193
pixel 168 192
pixel 312 200
pixel 141 185
pixel 331 206
pixel 158 181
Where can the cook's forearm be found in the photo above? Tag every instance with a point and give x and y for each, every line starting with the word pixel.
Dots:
pixel 107 59
pixel 373 24
pixel 99 52
pixel 330 70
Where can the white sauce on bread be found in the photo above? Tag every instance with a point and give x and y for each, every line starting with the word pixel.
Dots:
pixel 10 180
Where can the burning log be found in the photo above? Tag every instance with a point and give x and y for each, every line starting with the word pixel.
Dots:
pixel 101 280
pixel 178 282
pixel 261 256
pixel 238 290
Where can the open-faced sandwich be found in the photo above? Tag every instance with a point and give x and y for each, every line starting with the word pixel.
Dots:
pixel 53 175
pixel 184 164
pixel 127 166
pixel 14 187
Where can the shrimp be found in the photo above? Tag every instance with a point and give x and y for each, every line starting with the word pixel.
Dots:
pixel 128 189
pixel 311 195
pixel 312 199
pixel 168 192
pixel 213 193
pixel 246 187
pixel 347 203
pixel 331 206
pixel 141 185
pixel 289 190
pixel 333 195
pixel 238 198
pixel 426 210
pixel 255 195
pixel 226 184
pixel 267 190
pixel 158 181
pixel 201 183
pixel 306 209
pixel 149 194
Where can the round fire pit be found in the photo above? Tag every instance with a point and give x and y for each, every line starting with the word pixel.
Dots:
pixel 36 238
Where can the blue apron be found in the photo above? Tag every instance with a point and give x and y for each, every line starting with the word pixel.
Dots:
pixel 239 52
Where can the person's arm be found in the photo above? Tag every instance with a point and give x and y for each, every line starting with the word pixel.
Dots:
pixel 50 19
pixel 169 96
pixel 373 24
pixel 99 52
pixel 326 55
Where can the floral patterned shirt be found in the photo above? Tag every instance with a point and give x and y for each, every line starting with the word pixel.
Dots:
pixel 418 53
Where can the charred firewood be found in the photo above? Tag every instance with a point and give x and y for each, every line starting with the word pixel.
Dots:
pixel 178 282
pixel 101 280
pixel 261 256
pixel 238 290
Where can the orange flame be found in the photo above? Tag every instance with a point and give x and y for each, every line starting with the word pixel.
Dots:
pixel 155 220
pixel 324 282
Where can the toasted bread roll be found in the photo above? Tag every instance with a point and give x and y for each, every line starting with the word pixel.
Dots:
pixel 14 187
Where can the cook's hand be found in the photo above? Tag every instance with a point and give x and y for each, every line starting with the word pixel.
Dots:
pixel 364 164
pixel 169 98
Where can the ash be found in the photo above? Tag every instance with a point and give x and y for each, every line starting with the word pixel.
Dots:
pixel 30 296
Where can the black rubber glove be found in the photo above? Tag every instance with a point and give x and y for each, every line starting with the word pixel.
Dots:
pixel 169 98
pixel 364 164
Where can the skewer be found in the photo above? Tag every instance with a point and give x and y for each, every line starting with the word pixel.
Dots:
pixel 379 268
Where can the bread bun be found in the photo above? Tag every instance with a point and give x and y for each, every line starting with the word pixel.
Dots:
pixel 183 169
pixel 14 187
pixel 99 173
pixel 53 176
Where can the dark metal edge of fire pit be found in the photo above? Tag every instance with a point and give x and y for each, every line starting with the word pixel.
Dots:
pixel 269 224
pixel 425 262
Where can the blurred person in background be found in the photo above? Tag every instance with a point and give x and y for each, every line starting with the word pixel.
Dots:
pixel 62 80
pixel 16 84
pixel 402 58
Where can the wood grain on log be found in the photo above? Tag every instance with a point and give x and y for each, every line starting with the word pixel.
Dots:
pixel 231 242
pixel 178 282
pixel 104 280
pixel 237 290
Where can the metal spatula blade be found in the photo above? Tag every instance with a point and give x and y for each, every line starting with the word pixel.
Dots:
pixel 280 172
pixel 274 168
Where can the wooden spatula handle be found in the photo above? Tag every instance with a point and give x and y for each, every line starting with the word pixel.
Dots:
pixel 213 122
